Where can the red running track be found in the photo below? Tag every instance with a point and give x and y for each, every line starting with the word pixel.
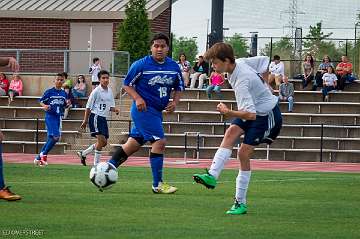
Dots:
pixel 204 163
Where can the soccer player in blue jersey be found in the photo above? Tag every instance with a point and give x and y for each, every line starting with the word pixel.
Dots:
pixel 53 102
pixel 150 82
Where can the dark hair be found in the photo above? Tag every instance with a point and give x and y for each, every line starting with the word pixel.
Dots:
pixel 276 57
pixel 220 51
pixel 332 69
pixel 2 73
pixel 182 54
pixel 95 59
pixel 60 74
pixel 311 60
pixel 82 76
pixel 159 36
pixel 65 75
pixel 103 72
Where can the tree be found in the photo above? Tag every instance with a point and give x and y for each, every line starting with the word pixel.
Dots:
pixel 239 45
pixel 134 32
pixel 314 42
pixel 283 48
pixel 184 45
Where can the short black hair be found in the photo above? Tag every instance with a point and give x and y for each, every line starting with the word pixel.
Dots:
pixel 159 36
pixel 65 75
pixel 276 57
pixel 95 59
pixel 103 72
pixel 60 74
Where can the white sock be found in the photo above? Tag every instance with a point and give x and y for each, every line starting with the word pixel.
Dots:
pixel 242 184
pixel 97 156
pixel 222 155
pixel 88 150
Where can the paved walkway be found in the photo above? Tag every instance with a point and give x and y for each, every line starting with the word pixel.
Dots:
pixel 203 163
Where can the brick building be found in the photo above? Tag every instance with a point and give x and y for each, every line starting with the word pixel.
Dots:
pixel 70 25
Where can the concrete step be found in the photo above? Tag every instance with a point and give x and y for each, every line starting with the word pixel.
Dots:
pixel 32 101
pixel 355 86
pixel 30 135
pixel 29 147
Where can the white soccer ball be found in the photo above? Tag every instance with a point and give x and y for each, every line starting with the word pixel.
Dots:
pixel 103 175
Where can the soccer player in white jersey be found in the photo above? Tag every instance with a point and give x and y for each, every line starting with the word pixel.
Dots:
pixel 258 117
pixel 98 107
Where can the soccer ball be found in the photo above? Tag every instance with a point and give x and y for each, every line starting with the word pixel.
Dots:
pixel 103 175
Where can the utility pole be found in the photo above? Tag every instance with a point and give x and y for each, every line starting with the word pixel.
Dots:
pixel 217 22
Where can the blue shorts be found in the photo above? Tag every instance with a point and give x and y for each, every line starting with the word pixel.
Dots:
pixel 98 126
pixel 147 125
pixel 264 129
pixel 53 125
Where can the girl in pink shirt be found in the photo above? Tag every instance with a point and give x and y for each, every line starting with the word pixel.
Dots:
pixel 15 88
pixel 216 81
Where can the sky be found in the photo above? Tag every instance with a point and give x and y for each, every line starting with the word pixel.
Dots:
pixel 267 17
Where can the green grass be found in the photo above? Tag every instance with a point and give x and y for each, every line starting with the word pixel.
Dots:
pixel 60 202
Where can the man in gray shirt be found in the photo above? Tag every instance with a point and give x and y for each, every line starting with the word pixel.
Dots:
pixel 286 93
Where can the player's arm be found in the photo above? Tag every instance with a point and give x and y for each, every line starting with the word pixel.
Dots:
pixel 172 104
pixel 112 106
pixel 86 118
pixel 43 101
pixel 139 101
pixel 222 108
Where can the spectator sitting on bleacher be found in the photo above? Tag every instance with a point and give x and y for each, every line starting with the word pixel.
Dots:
pixel 326 62
pixel 329 82
pixel 201 69
pixel 276 69
pixel 344 73
pixel 286 93
pixel 185 68
pixel 79 89
pixel 308 68
pixel 4 84
pixel 216 80
pixel 15 88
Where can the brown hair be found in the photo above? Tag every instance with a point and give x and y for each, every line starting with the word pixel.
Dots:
pixel 220 51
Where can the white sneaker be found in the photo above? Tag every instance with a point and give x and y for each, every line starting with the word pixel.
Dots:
pixel 164 188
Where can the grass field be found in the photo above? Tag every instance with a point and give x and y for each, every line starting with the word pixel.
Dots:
pixel 60 202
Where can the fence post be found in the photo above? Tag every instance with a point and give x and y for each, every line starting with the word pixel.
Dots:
pixel 185 147
pixel 271 47
pixel 112 63
pixel 66 61
pixel 18 56
pixel 321 142
pixel 37 135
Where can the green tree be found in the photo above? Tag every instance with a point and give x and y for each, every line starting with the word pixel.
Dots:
pixel 239 45
pixel 184 45
pixel 133 33
pixel 284 48
pixel 314 42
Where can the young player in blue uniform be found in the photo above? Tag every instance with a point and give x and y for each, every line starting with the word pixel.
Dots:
pixel 150 82
pixel 53 102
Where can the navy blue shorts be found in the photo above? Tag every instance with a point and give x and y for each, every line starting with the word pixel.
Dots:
pixel 264 129
pixel 98 126
pixel 147 125
pixel 53 125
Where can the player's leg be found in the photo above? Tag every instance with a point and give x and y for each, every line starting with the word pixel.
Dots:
pixel 5 192
pixel 101 142
pixel 93 127
pixel 221 156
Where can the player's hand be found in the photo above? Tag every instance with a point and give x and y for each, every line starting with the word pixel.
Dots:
pixel 170 107
pixel 68 103
pixel 13 64
pixel 1 137
pixel 222 108
pixel 117 111
pixel 46 107
pixel 140 105
pixel 83 124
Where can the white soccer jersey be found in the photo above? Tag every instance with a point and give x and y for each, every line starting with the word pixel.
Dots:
pixel 95 69
pixel 276 69
pixel 252 94
pixel 100 101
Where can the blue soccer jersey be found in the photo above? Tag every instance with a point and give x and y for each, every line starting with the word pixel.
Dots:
pixel 154 81
pixel 56 99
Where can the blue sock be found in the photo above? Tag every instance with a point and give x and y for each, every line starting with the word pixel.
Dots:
pixel 51 141
pixel 2 183
pixel 156 161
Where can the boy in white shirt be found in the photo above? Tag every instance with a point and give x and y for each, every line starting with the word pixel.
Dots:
pixel 94 71
pixel 276 69
pixel 98 107
pixel 258 118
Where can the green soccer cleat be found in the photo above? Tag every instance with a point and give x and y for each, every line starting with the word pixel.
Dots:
pixel 206 179
pixel 237 209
